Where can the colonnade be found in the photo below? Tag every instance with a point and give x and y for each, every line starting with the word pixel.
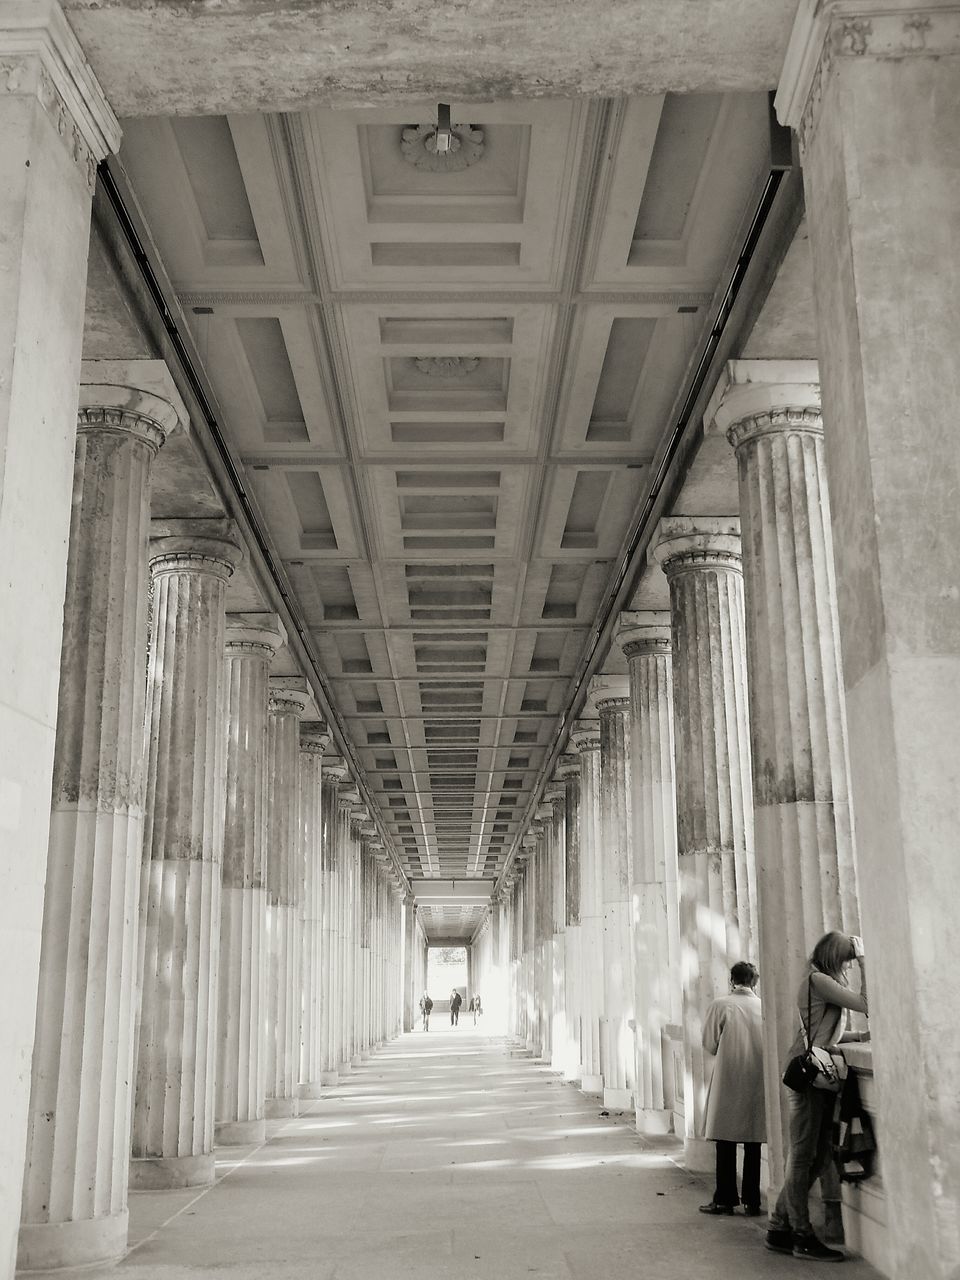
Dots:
pixel 709 819
pixel 222 929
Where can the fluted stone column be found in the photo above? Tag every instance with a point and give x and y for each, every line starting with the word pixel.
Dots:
pixel 55 126
pixel 251 641
pixel 568 776
pixel 409 968
pixel 289 698
pixel 585 740
pixel 334 773
pixel 611 696
pixel 701 559
pixel 314 740
pixel 770 411
pixel 78 1135
pixel 173 1115
pixel 555 796
pixel 645 640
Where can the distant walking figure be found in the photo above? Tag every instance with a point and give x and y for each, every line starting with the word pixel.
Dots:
pixel 426 1004
pixel 474 1008
pixel 732 1030
pixel 456 1000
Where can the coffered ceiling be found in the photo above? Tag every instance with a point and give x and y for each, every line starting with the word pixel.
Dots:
pixel 445 381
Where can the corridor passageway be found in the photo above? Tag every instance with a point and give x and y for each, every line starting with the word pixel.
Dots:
pixel 446 1156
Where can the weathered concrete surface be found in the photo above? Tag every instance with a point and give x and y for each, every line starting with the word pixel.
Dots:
pixel 160 57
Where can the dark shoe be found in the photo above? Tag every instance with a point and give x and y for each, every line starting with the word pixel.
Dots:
pixel 814 1250
pixel 752 1211
pixel 779 1241
pixel 713 1207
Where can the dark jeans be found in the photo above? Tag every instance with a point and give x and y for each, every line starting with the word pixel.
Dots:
pixel 726 1192
pixel 809 1158
pixel 454 1017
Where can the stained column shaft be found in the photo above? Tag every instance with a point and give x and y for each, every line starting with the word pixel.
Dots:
pixel 568 775
pixel 585 739
pixel 770 411
pixel 173 1116
pixel 287 703
pixel 78 1137
pixel 645 640
pixel 334 772
pixel 701 559
pixel 314 740
pixel 251 642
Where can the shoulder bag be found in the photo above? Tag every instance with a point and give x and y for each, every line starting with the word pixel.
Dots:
pixel 815 1067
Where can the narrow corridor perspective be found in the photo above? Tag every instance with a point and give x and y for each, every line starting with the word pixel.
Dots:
pixel 447 1155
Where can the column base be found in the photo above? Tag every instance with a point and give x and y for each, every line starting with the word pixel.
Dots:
pixel 357 1060
pixel 345 1068
pixel 45 1246
pixel 329 1078
pixel 591 1084
pixel 239 1133
pixel 699 1155
pixel 171 1173
pixel 618 1099
pixel 281 1108
pixel 653 1122
pixel 310 1090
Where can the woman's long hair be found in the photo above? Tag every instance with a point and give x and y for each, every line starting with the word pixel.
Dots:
pixel 830 954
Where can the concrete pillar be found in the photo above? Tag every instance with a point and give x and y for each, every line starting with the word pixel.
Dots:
pixel 645 640
pixel 78 1138
pixel 172 1138
pixel 55 125
pixel 611 696
pixel 252 639
pixel 314 740
pixel 410 996
pixel 874 91
pixel 568 776
pixel 334 773
pixel 701 559
pixel 585 739
pixel 289 697
pixel 770 410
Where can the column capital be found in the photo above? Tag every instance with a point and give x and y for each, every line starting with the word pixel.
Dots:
pixel 42 58
pixel 698 542
pixel 138 397
pixel 555 791
pixel 568 766
pixel 335 768
pixel 757 397
pixel 314 737
pixel 610 692
pixel 544 811
pixel 289 695
pixel 255 635
pixel 826 32
pixel 204 546
pixel 643 631
pixel 585 736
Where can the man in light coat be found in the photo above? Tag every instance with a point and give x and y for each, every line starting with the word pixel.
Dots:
pixel 732 1031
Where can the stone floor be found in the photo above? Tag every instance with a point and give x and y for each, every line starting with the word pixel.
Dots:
pixel 447 1156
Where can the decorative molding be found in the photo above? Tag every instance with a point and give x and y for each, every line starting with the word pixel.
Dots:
pixel 825 32
pixel 776 421
pixel 639 297
pixel 41 57
pixel 122 422
pixel 446 368
pixel 418 146
pixel 708 542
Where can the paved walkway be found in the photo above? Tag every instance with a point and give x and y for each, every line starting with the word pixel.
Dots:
pixel 446 1157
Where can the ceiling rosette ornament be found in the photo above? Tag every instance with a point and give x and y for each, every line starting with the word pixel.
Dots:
pixel 446 366
pixel 418 144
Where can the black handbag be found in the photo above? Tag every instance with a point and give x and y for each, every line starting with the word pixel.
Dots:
pixel 814 1068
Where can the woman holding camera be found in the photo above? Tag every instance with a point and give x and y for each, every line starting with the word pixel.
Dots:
pixel 824 999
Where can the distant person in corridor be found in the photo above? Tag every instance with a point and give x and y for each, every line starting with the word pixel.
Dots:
pixel 474 1008
pixel 456 1000
pixel 426 1004
pixel 733 1032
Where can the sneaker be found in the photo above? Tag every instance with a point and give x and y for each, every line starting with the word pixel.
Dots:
pixel 779 1240
pixel 814 1250
pixel 713 1207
